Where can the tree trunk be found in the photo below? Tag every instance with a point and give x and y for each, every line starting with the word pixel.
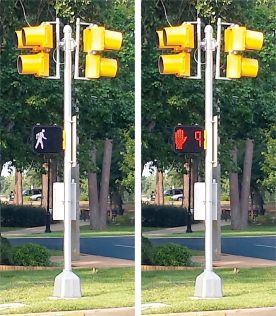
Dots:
pixel 234 192
pixel 44 200
pixel 18 198
pixel 93 195
pixel 105 182
pixel 246 179
pixel 186 176
pixel 159 196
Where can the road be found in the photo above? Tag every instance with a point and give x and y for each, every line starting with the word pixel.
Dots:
pixel 116 247
pixel 257 247
pixel 123 247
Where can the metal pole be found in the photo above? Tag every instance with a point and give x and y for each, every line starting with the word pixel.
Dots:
pixel 208 284
pixel 68 146
pixel 209 149
pixel 67 284
pixel 189 215
pixel 48 215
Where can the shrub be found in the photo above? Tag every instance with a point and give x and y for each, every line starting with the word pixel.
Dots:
pixel 31 255
pixel 171 255
pixel 147 251
pixel 163 216
pixel 5 251
pixel 22 216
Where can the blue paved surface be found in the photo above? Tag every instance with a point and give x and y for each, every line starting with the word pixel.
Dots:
pixel 123 247
pixel 116 247
pixel 257 247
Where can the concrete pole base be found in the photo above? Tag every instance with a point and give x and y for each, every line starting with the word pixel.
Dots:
pixel 208 285
pixel 67 285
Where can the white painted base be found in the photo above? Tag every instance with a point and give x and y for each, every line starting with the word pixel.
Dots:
pixel 67 285
pixel 208 285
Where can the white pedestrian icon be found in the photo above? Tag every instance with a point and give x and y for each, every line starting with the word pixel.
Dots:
pixel 39 139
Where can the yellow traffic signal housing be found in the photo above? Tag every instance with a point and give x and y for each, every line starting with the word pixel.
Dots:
pixel 175 64
pixel 35 64
pixel 182 35
pixel 41 35
pixel 181 40
pixel 97 39
pixel 238 67
pixel 238 39
pixel 38 39
pixel 161 45
pixel 97 66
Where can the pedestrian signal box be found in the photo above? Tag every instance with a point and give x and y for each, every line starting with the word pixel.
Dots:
pixel 188 139
pixel 47 139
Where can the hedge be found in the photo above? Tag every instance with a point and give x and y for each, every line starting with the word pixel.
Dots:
pixel 22 216
pixel 31 255
pixel 163 216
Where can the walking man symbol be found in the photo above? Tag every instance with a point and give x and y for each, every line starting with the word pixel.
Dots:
pixel 39 139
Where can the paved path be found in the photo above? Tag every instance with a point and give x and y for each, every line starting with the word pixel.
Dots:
pixel 178 230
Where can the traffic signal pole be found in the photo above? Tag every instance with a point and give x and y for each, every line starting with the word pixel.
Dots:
pixel 208 283
pixel 67 284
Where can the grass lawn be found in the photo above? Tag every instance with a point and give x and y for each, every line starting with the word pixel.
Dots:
pixel 106 288
pixel 226 231
pixel 248 288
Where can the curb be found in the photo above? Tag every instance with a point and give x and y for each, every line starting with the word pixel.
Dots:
pixel 125 311
pixel 264 311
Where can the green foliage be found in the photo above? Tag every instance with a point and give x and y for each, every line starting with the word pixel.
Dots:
pixel 147 251
pixel 270 161
pixel 171 255
pixel 31 255
pixel 5 251
pixel 22 216
pixel 163 216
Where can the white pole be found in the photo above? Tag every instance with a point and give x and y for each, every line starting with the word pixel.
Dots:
pixel 209 149
pixel 68 146
pixel 208 283
pixel 67 284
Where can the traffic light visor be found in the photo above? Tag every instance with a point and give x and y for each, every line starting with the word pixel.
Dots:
pixel 113 40
pixel 182 35
pixel 176 64
pixel 254 40
pixel 249 67
pixel 35 64
pixel 41 35
pixel 19 42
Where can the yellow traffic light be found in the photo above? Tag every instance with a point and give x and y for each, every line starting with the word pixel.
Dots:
pixel 175 64
pixel 38 39
pixel 161 45
pixel 238 39
pixel 181 40
pixel 97 39
pixel 41 35
pixel 97 66
pixel 35 64
pixel 238 67
pixel 182 35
